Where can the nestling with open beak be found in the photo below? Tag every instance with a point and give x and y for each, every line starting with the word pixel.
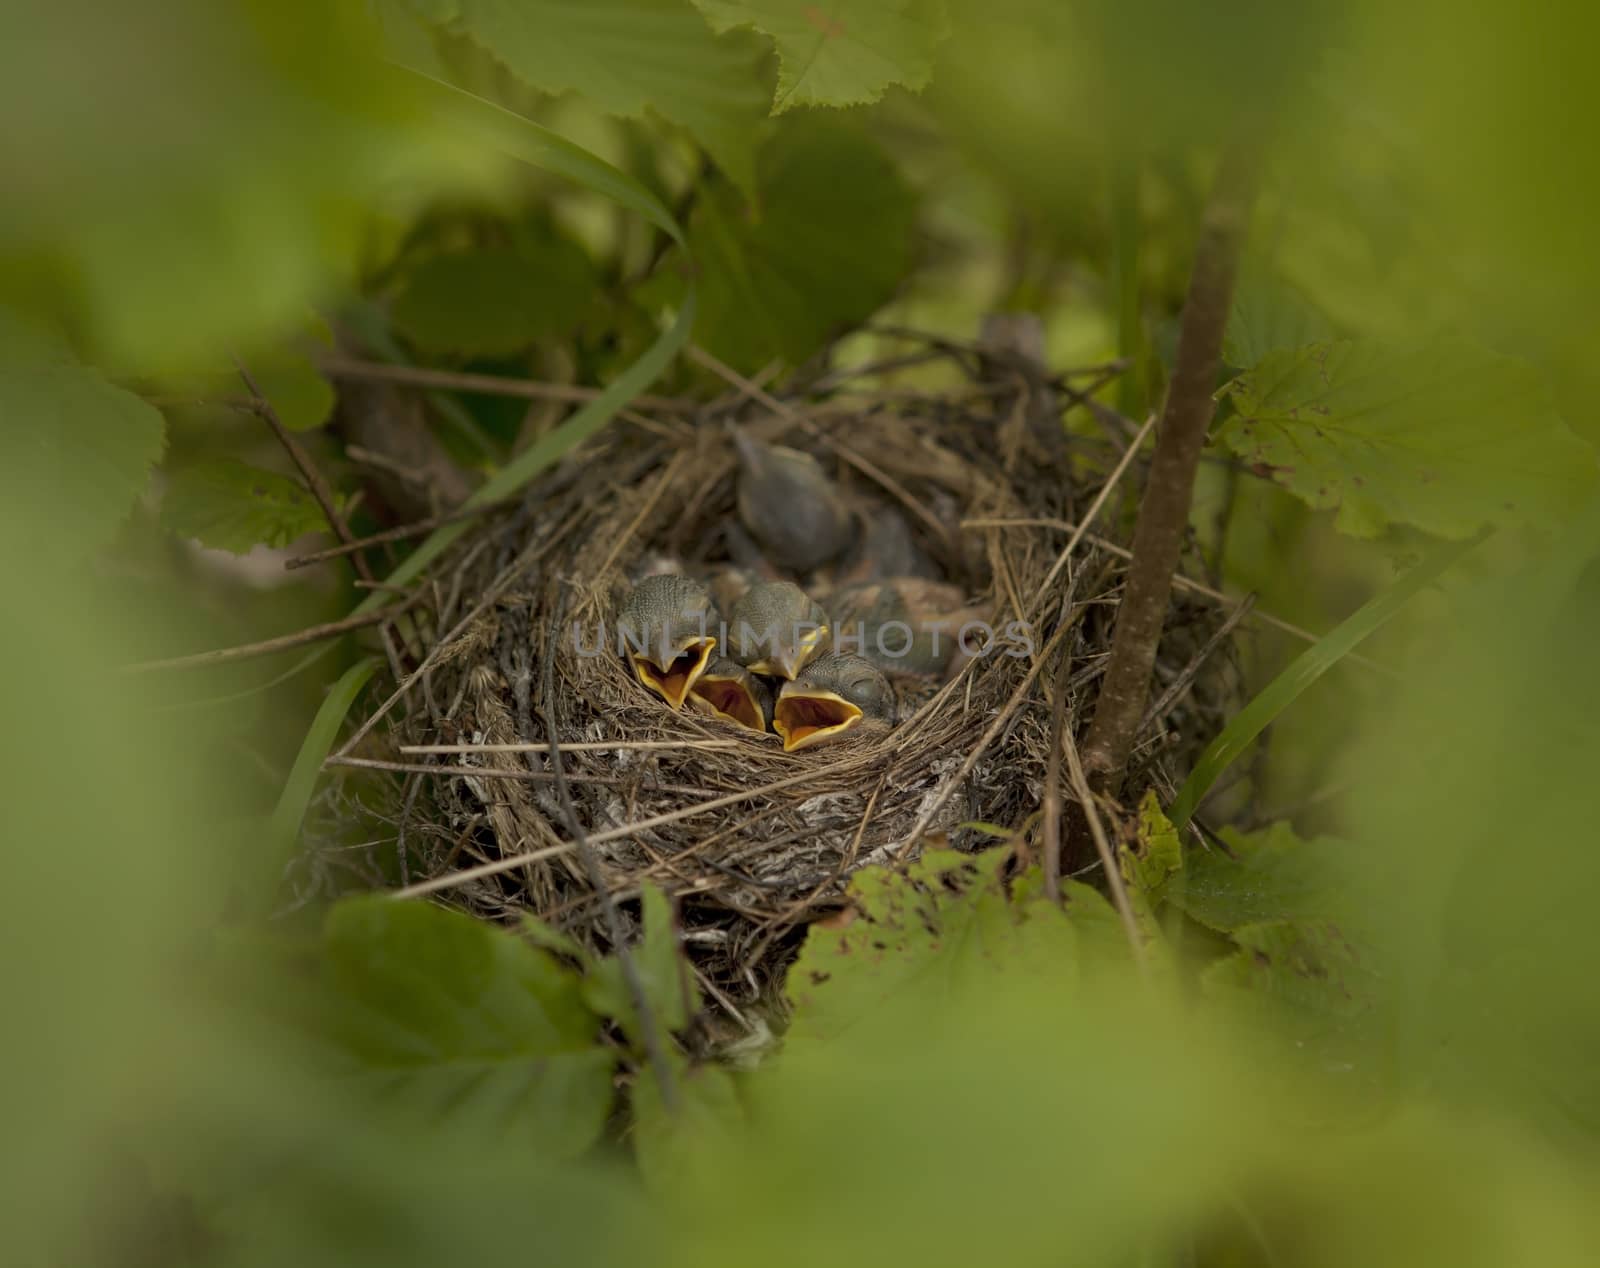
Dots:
pixel 776 628
pixel 729 691
pixel 795 513
pixel 903 625
pixel 835 694
pixel 667 628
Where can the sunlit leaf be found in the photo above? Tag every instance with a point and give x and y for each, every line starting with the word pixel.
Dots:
pixel 840 52
pixel 829 245
pixel 629 56
pixel 1443 435
pixel 1155 855
pixel 490 300
pixel 944 923
pixel 81 445
pixel 233 506
pixel 448 1019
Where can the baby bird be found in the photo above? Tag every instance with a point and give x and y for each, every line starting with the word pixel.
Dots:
pixel 729 691
pixel 836 693
pixel 904 625
pixel 665 627
pixel 776 628
pixel 789 506
pixel 883 547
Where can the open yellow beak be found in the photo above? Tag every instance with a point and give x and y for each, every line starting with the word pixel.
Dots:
pixel 729 699
pixel 673 681
pixel 804 718
pixel 790 661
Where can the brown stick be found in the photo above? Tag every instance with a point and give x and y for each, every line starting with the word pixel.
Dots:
pixel 1164 512
pixel 403 533
pixel 311 634
pixel 302 460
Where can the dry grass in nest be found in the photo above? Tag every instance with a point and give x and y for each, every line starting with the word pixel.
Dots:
pixel 753 842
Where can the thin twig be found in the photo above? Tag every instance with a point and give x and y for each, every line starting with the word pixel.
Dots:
pixel 486 384
pixel 1050 829
pixel 320 490
pixel 1185 679
pixel 519 775
pixel 1108 862
pixel 302 461
pixel 1100 499
pixel 245 651
pixel 587 746
pixel 404 532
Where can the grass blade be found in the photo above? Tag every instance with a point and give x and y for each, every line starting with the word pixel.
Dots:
pixel 296 795
pixel 1304 670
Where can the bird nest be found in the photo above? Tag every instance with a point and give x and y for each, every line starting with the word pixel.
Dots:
pixel 753 842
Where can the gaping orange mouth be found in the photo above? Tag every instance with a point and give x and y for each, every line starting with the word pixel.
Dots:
pixel 672 683
pixel 805 718
pixel 789 661
pixel 728 698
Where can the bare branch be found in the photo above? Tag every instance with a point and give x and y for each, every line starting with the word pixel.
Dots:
pixel 1164 512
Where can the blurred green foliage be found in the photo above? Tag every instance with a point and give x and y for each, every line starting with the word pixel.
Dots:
pixel 1365 1037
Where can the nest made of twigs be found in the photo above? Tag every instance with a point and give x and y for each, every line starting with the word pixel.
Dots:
pixel 753 842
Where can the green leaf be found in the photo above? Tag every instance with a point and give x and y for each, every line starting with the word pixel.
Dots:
pixel 1302 671
pixel 660 970
pixel 944 923
pixel 1260 877
pixel 1303 980
pixel 1443 435
pixel 488 301
pixel 451 1020
pixel 1155 856
pixel 681 1148
pixel 840 52
pixel 629 56
pixel 1270 314
pixel 233 506
pixel 287 374
pixel 830 245
pixel 71 445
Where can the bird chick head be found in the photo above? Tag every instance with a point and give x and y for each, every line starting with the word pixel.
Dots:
pixel 836 693
pixel 791 508
pixel 666 629
pixel 729 691
pixel 776 628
